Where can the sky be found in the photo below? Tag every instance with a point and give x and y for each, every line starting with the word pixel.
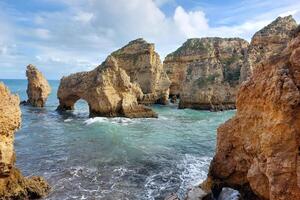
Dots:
pixel 67 36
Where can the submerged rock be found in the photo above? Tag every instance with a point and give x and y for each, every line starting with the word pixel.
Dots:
pixel 107 90
pixel 38 88
pixel 205 72
pixel 143 65
pixel 12 184
pixel 269 41
pixel 258 149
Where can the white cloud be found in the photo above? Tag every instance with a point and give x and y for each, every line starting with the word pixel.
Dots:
pixel 191 24
pixel 81 36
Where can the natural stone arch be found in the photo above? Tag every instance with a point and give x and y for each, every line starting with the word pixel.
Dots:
pixel 107 90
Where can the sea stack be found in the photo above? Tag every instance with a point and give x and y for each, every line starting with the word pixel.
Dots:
pixel 270 40
pixel 12 184
pixel 205 72
pixel 38 88
pixel 107 90
pixel 258 149
pixel 143 65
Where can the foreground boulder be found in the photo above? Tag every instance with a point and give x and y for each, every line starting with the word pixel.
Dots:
pixel 107 90
pixel 38 88
pixel 12 184
pixel 258 149
pixel 143 65
pixel 205 72
pixel 270 40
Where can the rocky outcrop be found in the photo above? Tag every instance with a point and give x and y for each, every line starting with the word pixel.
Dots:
pixel 205 72
pixel 12 184
pixel 271 40
pixel 107 90
pixel 143 65
pixel 258 150
pixel 38 88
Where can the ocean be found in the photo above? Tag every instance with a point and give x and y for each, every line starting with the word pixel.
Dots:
pixel 114 158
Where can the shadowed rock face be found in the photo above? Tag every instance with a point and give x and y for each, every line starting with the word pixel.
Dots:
pixel 205 72
pixel 270 40
pixel 12 184
pixel 143 65
pixel 107 90
pixel 38 88
pixel 258 149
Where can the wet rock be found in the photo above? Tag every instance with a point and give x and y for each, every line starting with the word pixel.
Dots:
pixel 38 88
pixel 196 193
pixel 229 194
pixel 107 90
pixel 12 184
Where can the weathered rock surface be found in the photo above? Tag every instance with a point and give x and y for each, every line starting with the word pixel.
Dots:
pixel 12 184
pixel 205 72
pixel 258 149
pixel 143 65
pixel 38 88
pixel 107 90
pixel 271 40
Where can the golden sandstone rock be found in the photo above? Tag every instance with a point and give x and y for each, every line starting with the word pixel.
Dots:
pixel 143 65
pixel 38 88
pixel 258 150
pixel 268 41
pixel 12 184
pixel 107 90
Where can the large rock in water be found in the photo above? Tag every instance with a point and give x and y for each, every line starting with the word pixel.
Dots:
pixel 143 65
pixel 12 184
pixel 38 88
pixel 205 72
pixel 107 90
pixel 270 40
pixel 258 150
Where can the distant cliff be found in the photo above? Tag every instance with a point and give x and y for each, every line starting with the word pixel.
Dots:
pixel 205 72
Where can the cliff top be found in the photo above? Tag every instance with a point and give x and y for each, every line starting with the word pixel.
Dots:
pixel 200 44
pixel 280 25
pixel 135 46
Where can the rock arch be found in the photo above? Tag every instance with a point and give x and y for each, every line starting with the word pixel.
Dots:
pixel 107 90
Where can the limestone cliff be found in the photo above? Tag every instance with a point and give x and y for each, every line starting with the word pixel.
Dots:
pixel 270 40
pixel 107 90
pixel 38 88
pixel 143 65
pixel 205 72
pixel 12 184
pixel 258 149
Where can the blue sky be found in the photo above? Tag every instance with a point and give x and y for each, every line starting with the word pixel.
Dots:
pixel 66 36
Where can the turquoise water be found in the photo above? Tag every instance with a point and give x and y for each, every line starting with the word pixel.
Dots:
pixel 114 158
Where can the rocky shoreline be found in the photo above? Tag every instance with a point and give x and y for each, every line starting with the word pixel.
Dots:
pixel 257 153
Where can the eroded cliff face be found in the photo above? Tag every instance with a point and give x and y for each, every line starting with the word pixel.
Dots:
pixel 205 72
pixel 107 90
pixel 258 149
pixel 12 184
pixel 143 65
pixel 270 40
pixel 38 88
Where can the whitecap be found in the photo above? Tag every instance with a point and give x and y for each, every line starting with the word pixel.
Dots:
pixel 116 120
pixel 194 172
pixel 68 120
